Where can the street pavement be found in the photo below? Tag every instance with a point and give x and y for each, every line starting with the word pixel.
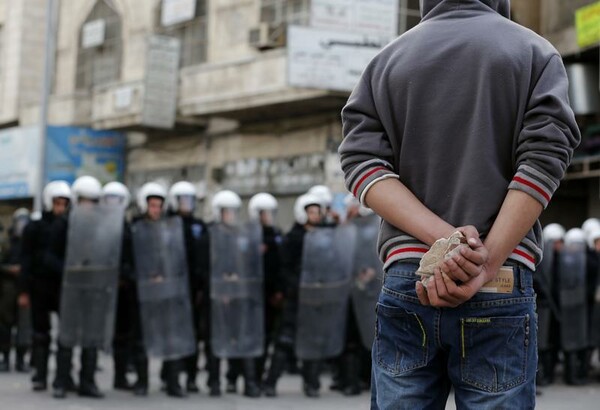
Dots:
pixel 16 394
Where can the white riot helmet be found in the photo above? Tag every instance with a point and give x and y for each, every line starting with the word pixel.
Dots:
pixel 593 237
pixel 575 236
pixel 148 190
pixel 182 195
pixel 21 213
pixel 590 224
pixel 116 192
pixel 261 202
pixel 55 189
pixel 300 206
pixel 553 232
pixel 86 187
pixel 324 195
pixel 225 200
pixel 20 220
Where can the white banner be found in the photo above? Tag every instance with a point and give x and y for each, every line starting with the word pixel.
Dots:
pixel 93 33
pixel 329 60
pixel 160 83
pixel 19 162
pixel 177 11
pixel 371 17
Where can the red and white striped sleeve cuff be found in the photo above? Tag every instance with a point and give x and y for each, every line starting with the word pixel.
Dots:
pixel 368 174
pixel 534 183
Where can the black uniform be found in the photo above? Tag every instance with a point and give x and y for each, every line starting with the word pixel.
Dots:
pixel 291 257
pixel 197 246
pixel 43 253
pixel 8 304
pixel 127 346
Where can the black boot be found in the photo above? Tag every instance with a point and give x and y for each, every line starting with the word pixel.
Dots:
pixel 545 374
pixel 87 383
pixel 140 388
pixel 191 370
pixel 251 387
pixel 5 361
pixel 63 372
pixel 278 362
pixel 39 358
pixel 21 365
pixel 214 371
pixel 172 370
pixel 120 381
pixel 573 369
pixel 310 374
pixel 351 374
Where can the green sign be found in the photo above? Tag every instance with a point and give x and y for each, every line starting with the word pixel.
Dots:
pixel 587 24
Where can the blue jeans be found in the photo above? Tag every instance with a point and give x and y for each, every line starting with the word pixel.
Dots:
pixel 484 349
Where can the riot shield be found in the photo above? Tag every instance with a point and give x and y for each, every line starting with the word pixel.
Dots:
pixel 89 286
pixel 163 288
pixel 237 291
pixel 324 292
pixel 573 303
pixel 546 306
pixel 367 277
pixel 595 324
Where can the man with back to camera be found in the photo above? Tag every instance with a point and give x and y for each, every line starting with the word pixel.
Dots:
pixel 463 120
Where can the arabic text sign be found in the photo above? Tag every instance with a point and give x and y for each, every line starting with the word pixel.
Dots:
pixel 177 11
pixel 587 24
pixel 329 60
pixel 372 17
pixel 73 151
pixel 160 84
pixel 93 33
pixel 19 162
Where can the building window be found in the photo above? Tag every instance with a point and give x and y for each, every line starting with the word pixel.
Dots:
pixel 100 49
pixel 192 33
pixel 409 15
pixel 276 12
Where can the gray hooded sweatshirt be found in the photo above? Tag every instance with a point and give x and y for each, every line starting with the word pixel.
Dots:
pixel 461 108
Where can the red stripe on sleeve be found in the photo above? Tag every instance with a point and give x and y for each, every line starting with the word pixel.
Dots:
pixel 367 175
pixel 532 185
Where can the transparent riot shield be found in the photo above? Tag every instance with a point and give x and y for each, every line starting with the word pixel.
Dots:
pixel 325 282
pixel 90 279
pixel 367 277
pixel 237 291
pixel 573 303
pixel 163 288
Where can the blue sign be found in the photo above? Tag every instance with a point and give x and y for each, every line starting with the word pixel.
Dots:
pixel 74 151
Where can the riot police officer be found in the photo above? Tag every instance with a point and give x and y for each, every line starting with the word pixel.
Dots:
pixel 262 208
pixel 167 328
pixel 182 202
pixel 307 214
pixel 545 285
pixel 572 276
pixel 10 316
pixel 236 292
pixel 85 266
pixel 117 194
pixel 43 251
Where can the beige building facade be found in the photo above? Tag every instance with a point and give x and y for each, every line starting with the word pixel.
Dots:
pixel 202 88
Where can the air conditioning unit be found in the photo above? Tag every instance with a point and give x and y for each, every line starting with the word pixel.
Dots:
pixel 266 36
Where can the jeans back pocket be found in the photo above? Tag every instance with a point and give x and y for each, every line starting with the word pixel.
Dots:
pixel 494 352
pixel 401 340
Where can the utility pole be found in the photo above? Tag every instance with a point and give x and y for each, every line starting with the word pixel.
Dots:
pixel 49 59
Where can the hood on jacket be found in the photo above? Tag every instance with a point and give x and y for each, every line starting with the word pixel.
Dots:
pixel 500 6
